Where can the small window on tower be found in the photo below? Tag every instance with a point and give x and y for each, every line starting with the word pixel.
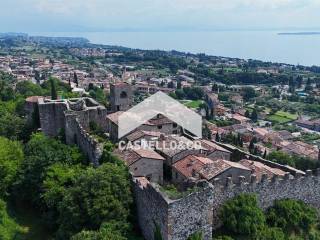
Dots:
pixel 123 94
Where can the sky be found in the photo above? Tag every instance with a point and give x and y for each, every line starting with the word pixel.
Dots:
pixel 157 15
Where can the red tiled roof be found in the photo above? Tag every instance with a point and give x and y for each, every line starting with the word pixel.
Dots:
pixel 259 169
pixel 211 146
pixel 139 134
pixel 217 167
pixel 133 155
pixel 190 164
pixel 145 153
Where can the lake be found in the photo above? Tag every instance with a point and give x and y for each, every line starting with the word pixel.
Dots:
pixel 262 45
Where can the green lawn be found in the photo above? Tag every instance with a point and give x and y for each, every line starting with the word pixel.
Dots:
pixel 193 104
pixel 282 117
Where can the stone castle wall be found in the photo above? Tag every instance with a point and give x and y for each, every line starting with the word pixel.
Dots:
pixel 51 116
pixel 200 211
pixel 74 118
pixel 305 188
pixel 76 134
pixel 177 219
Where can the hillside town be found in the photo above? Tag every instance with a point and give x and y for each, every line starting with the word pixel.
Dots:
pixel 260 125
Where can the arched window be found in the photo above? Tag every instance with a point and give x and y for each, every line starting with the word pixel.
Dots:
pixel 123 94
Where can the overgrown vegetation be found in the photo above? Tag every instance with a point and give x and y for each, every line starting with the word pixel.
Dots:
pixel 54 181
pixel 286 220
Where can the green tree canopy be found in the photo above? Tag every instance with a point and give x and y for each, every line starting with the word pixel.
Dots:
pixel 98 195
pixel 40 153
pixel 292 216
pixel 9 229
pixel 11 157
pixel 242 215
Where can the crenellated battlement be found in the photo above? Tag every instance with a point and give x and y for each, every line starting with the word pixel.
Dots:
pixel 199 210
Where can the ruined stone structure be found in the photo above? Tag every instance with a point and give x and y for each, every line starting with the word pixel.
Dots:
pixel 199 211
pixel 73 117
pixel 121 96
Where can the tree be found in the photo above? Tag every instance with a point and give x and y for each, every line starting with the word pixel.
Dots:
pixel 27 89
pixel 170 85
pixel 9 229
pixel 58 178
pixel 215 87
pixel 75 79
pixel 247 114
pixel 248 93
pixel 299 81
pixel 54 95
pixel 40 153
pixel 292 216
pixel 206 132
pixel 265 154
pixel 98 195
pixel 251 146
pixel 11 157
pixel 242 215
pixel 179 85
pixel 271 233
pixel 218 139
pixel 254 115
pixel 292 85
pixel 107 231
pixel 11 125
pixel 37 76
pixel 308 87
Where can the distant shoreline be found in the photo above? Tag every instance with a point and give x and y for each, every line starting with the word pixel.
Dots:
pixel 299 33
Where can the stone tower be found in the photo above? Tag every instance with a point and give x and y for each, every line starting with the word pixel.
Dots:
pixel 121 97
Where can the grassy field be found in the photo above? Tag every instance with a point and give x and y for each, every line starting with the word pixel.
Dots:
pixel 282 117
pixel 193 104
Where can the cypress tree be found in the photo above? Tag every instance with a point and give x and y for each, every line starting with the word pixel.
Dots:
pixel 54 95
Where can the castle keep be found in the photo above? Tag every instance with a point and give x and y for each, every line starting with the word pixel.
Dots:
pixel 72 118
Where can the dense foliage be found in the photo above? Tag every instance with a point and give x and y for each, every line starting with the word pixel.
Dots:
pixel 285 220
pixel 299 162
pixel 9 229
pixel 11 158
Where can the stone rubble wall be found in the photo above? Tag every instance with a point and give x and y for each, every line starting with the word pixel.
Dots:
pixel 177 219
pixel 76 134
pixel 199 211
pixel 52 118
pixel 305 188
pixel 74 118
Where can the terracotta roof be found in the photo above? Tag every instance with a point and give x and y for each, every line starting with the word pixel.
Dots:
pixel 114 117
pixel 217 167
pixel 211 146
pixel 190 165
pixel 259 168
pixel 261 131
pixel 140 134
pixel 128 156
pixel 146 153
pixel 133 155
